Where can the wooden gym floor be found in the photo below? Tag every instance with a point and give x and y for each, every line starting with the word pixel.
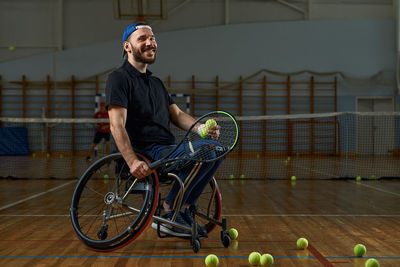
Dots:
pixel 334 215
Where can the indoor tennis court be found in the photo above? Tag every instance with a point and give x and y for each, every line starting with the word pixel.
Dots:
pixel 311 86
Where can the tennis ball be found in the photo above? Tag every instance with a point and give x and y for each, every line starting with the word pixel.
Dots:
pixel 254 258
pixel 373 177
pixel 203 132
pixel 358 178
pixel 212 260
pixel 359 250
pixel 266 260
pixel 372 263
pixel 11 48
pixel 288 158
pixel 302 243
pixel 48 155
pixel 210 123
pixel 293 178
pixel 242 176
pixel 231 176
pixel 106 176
pixel 258 156
pixel 33 155
pixel 61 156
pixel 233 233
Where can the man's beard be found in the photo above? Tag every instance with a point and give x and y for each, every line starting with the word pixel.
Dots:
pixel 140 58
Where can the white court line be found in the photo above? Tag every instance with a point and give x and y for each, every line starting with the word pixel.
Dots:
pixel 236 215
pixel 379 189
pixel 35 196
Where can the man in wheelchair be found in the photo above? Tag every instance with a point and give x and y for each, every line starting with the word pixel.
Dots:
pixel 140 111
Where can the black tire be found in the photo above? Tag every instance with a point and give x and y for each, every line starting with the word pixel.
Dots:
pixel 102 221
pixel 196 245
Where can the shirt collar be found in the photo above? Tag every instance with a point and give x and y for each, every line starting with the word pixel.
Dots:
pixel 133 71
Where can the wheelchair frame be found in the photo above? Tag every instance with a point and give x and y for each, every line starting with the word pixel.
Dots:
pixel 146 193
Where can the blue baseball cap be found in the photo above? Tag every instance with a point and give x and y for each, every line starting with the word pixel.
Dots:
pixel 133 27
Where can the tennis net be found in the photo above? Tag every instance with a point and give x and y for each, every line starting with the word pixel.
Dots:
pixel 308 146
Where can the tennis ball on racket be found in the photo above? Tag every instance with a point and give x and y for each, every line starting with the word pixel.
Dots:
pixel 233 233
pixel 266 260
pixel 203 132
pixel 372 263
pixel 358 178
pixel 293 178
pixel 210 123
pixel 359 250
pixel 254 258
pixel 302 243
pixel 212 260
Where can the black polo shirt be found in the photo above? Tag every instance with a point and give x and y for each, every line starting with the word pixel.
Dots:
pixel 147 102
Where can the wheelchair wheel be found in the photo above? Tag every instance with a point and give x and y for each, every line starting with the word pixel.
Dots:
pixel 209 204
pixel 110 208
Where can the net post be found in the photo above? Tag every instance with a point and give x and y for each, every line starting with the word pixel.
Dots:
pixel 73 114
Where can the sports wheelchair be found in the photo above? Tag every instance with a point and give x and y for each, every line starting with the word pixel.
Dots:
pixel 110 208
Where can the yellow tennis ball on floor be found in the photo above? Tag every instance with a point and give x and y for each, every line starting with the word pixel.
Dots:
pixel 372 263
pixel 302 243
pixel 266 260
pixel 210 123
pixel 373 177
pixel 358 178
pixel 203 132
pixel 212 260
pixel 231 176
pixel 106 176
pixel 233 233
pixel 242 176
pixel 254 258
pixel 293 178
pixel 359 250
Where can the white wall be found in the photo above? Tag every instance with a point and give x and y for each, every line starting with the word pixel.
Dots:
pixel 34 26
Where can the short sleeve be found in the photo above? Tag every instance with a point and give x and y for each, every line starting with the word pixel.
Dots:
pixel 116 90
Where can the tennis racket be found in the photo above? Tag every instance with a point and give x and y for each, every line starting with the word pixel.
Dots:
pixel 210 138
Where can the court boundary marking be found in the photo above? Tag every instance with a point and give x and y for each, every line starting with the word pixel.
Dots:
pixel 35 196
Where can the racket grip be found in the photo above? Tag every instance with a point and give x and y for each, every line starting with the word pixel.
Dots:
pixel 155 164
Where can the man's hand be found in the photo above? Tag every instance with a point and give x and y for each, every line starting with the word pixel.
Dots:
pixel 140 169
pixel 213 132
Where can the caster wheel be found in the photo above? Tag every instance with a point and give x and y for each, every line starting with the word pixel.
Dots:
pixel 226 240
pixel 102 233
pixel 196 245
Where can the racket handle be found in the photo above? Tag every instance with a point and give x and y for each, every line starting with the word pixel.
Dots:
pixel 155 164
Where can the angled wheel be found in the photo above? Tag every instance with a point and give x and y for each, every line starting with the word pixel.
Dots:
pixel 110 208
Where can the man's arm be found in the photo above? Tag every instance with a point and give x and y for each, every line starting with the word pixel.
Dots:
pixel 117 117
pixel 180 118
